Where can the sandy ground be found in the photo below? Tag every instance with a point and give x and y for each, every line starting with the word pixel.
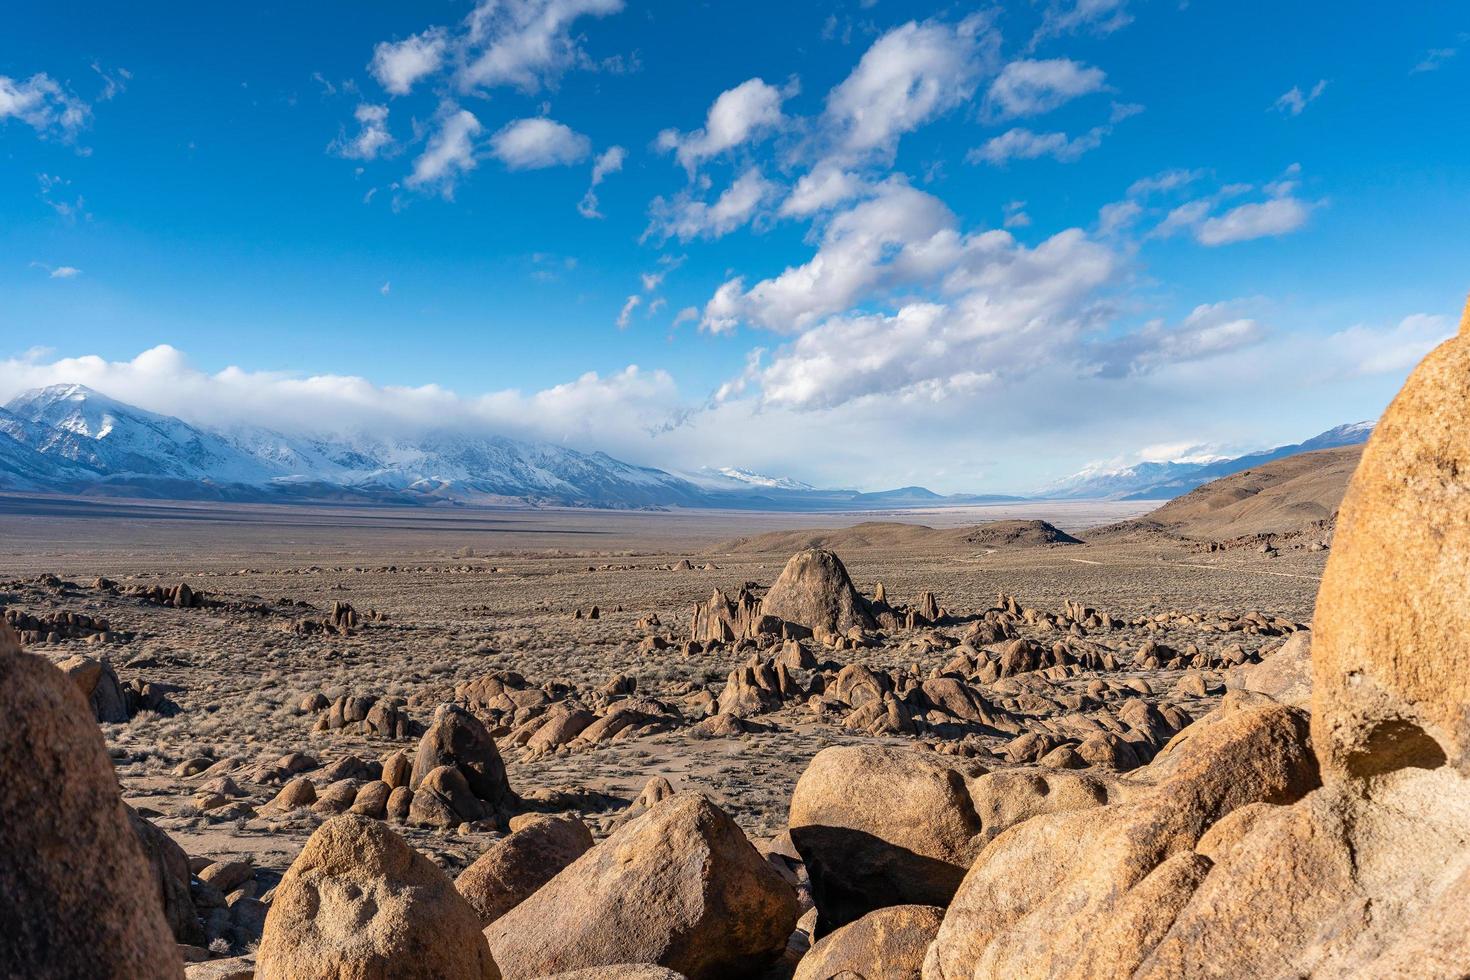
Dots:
pixel 468 592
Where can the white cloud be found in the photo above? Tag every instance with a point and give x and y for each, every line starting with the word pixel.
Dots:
pixel 626 314
pixel 1264 219
pixel 65 272
pixel 1293 101
pixel 910 75
pixel 398 65
pixel 1016 216
pixel 1024 144
pixel 533 144
pixel 1163 182
pixel 525 43
pixel 1434 60
pixel 824 187
pixel 1071 16
pixel 609 161
pixel 1208 331
pixel 372 137
pixel 1029 88
pixel 42 104
pixel 1365 350
pixel 1117 217
pixel 450 153
pixel 386 288
pixel 687 217
pixel 612 412
pixel 737 116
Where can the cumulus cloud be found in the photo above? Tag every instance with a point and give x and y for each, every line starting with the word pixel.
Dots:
pixel 534 144
pixel 450 152
pixel 609 161
pixel 1293 101
pixel 43 104
pixel 1208 331
pixel 65 272
pixel 737 116
pixel 372 136
pixel 1029 88
pixel 525 43
pixel 1025 144
pixel 398 65
pixel 910 75
pixel 822 189
pixel 687 217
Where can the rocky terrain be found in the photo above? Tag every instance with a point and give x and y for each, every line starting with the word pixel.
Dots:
pixel 884 751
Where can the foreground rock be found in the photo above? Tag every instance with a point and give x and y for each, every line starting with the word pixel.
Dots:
pixel 679 887
pixel 881 826
pixel 358 902
pixel 888 944
pixel 76 893
pixel 1236 865
pixel 516 866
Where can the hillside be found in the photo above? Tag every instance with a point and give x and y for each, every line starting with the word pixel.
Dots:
pixel 1284 496
pixel 897 536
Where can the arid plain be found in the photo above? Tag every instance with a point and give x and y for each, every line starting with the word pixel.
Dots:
pixel 231 683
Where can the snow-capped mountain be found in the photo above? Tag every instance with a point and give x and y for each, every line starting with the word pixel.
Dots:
pixel 735 478
pixel 1168 479
pixel 71 438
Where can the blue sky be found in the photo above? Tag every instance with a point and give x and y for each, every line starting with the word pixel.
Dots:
pixel 865 244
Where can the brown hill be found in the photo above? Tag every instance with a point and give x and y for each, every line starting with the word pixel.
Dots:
pixel 1296 494
pixel 894 535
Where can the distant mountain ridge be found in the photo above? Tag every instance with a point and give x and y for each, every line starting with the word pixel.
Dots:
pixel 1167 480
pixel 71 439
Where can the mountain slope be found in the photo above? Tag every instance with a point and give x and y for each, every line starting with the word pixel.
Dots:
pixel 1282 496
pixel 1166 480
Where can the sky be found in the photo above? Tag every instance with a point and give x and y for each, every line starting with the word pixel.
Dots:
pixel 861 244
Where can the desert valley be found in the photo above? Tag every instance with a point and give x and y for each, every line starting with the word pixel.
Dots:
pixel 648 490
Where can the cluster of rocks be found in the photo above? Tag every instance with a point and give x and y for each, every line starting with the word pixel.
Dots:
pixel 58 626
pixel 110 699
pixel 384 717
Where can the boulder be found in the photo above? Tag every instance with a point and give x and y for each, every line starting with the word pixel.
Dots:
pixel 358 902
pixel 457 738
pixel 99 684
pixel 443 799
pixel 887 944
pixel 70 894
pixel 622 971
pixel 880 826
pixel 679 887
pixel 1285 675
pixel 1390 661
pixel 1033 902
pixel 515 866
pixel 814 591
pixel 170 870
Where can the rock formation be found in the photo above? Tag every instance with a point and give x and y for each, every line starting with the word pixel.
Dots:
pixel 358 902
pixel 515 866
pixel 814 591
pixel 77 895
pixel 679 887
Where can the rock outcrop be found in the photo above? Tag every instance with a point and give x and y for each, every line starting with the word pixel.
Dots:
pixel 358 902
pixel 77 895
pixel 513 868
pixel 814 591
pixel 457 739
pixel 679 887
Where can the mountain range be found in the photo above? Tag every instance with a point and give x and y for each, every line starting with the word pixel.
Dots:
pixel 1169 479
pixel 74 440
